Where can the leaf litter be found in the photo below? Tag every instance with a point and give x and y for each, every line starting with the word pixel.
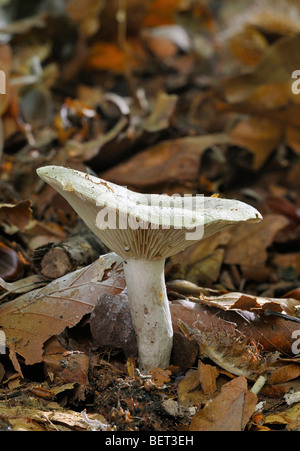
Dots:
pixel 181 98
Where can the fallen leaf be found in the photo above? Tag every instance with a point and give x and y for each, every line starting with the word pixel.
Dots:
pixel 230 411
pixel 15 217
pixel 201 263
pixel 266 94
pixel 248 247
pixel 292 136
pixel 86 13
pixel 208 378
pixel 175 161
pixel 189 391
pixel 45 419
pixel 260 136
pixel 248 45
pixel 160 377
pixel 64 367
pixel 162 12
pixel 106 56
pixel 274 72
pixel 271 333
pixel 284 374
pixel 21 286
pixel 161 48
pixel 162 113
pixel 287 417
pixel 30 320
pixel 242 302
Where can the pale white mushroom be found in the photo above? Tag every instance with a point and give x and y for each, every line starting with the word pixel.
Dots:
pixel 145 230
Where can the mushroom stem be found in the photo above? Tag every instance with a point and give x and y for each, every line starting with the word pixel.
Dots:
pixel 149 307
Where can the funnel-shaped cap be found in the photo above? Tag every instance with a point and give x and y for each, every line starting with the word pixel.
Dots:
pixel 143 226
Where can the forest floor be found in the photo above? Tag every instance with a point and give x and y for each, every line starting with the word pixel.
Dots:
pixel 161 96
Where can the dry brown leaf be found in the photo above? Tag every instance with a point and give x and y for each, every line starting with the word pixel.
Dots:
pixel 201 263
pixel 249 46
pixel 30 320
pixel 15 217
pixel 266 94
pixel 22 286
pixel 38 234
pixel 273 72
pixel 242 302
pixel 162 113
pixel 270 333
pixel 293 138
pixel 175 161
pixel 259 135
pixel 208 378
pixel 86 13
pixel 248 247
pixel 287 417
pixel 162 12
pixel 230 411
pixel 189 391
pixel 40 418
pixel 284 374
pixel 63 367
pixel 160 377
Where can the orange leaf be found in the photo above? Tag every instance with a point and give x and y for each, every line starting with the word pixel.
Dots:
pixel 107 57
pixel 160 377
pixel 162 12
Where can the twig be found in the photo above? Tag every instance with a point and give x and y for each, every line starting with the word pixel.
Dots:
pixel 122 23
pixel 121 18
pixel 284 316
pixel 259 384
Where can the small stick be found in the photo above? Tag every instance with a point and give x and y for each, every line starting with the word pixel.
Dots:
pixel 284 316
pixel 259 384
pixel 122 20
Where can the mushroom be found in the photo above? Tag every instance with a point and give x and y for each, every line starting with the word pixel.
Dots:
pixel 144 230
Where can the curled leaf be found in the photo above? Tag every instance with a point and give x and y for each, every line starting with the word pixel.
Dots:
pixel 11 266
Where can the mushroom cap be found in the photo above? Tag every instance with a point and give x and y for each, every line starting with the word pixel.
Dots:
pixel 144 226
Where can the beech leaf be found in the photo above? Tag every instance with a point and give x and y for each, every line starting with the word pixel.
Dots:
pixel 230 411
pixel 30 320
